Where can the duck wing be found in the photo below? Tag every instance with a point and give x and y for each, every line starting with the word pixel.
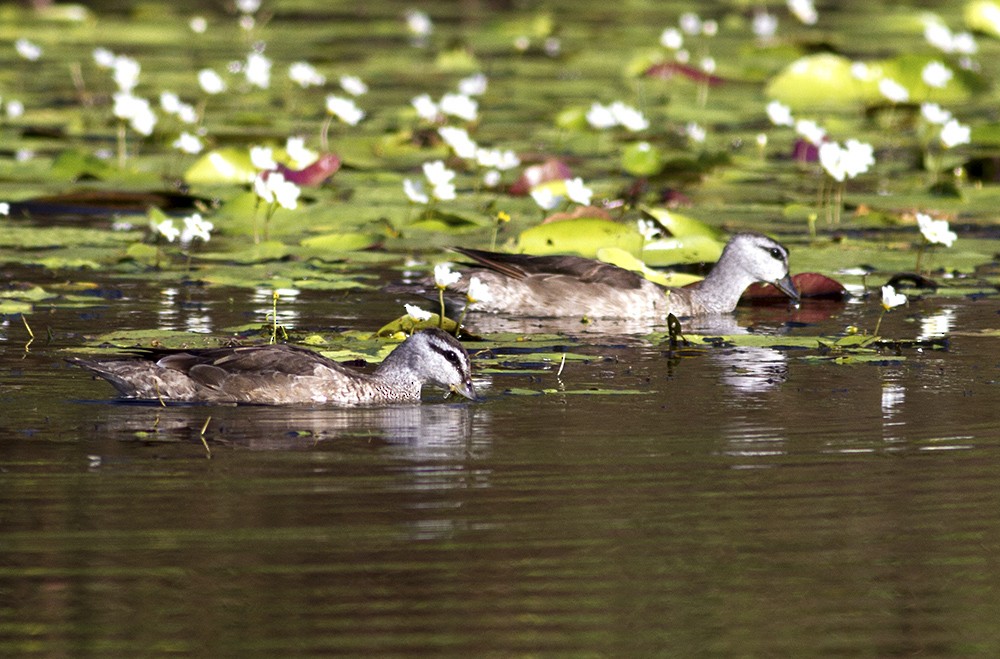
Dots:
pixel 584 270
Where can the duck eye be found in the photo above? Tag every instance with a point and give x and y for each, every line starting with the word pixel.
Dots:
pixel 776 254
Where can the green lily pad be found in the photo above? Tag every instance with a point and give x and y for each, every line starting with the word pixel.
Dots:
pixel 681 226
pixel 11 307
pixel 337 243
pixel 982 16
pixel 688 249
pixel 642 159
pixel 584 236
pixel 226 165
pixel 623 259
pixel 406 325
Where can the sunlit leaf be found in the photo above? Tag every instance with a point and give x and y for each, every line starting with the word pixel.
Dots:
pixel 583 236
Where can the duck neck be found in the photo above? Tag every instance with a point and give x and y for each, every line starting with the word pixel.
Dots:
pixel 396 372
pixel 722 288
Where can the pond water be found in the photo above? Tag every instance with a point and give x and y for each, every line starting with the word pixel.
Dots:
pixel 768 488
pixel 741 501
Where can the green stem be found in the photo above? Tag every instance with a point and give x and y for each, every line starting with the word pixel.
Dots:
pixel 878 323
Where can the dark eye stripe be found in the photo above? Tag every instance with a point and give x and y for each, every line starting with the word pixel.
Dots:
pixel 776 253
pixel 453 358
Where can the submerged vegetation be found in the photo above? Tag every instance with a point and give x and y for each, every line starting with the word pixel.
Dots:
pixel 204 145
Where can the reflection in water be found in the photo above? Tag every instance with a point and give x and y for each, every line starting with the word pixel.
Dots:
pixel 752 370
pixel 174 313
pixel 936 326
pixel 893 397
pixel 287 313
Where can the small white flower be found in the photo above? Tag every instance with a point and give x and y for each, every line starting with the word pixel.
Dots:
pixel 690 23
pixel 578 192
pixel 629 117
pixel 437 173
pixel 848 161
pixel 649 229
pixel 262 157
pixel 419 23
pixel 938 35
pixel 478 291
pixel 15 108
pixel 126 73
pixel 273 188
pixel 934 113
pixel 936 74
pixel 954 134
pixel 103 58
pixel 545 198
pixel 248 6
pixel 672 38
pixel 831 158
pixel 444 277
pixel 170 102
pixel 426 108
pixel 188 143
pixel 492 178
pixel 695 132
pixel 502 160
pixel 459 105
pixel 211 82
pixel 708 65
pixel 258 70
pixel 296 149
pixel 4 208
pixel 810 131
pixel 167 229
pixel 762 140
pixel 710 28
pixel 964 43
pixel 459 141
pixel 474 85
pixel 136 111
pixel 600 116
pixel 305 75
pixel 416 313
pixel 195 227
pixel 198 24
pixel 187 114
pixel 804 10
pixel 780 114
pixel 344 109
pixel 936 232
pixel 414 190
pixel 764 25
pixel 353 85
pixel 28 50
pixel 890 298
pixel 893 91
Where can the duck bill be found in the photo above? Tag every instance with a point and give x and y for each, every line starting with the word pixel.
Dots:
pixel 465 389
pixel 786 286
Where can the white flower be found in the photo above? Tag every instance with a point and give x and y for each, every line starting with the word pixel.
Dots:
pixel 848 161
pixel 262 157
pixel 780 114
pixel 502 160
pixel 935 231
pixel 296 149
pixel 710 27
pixel 418 23
pixel 810 131
pixel 104 58
pixel 672 38
pixel 934 113
pixel 936 74
pixel 195 227
pixel 211 82
pixel 764 25
pixel 4 208
pixel 890 298
pixel 136 111
pixel 426 108
pixel 545 198
pixel 272 187
pixel 695 132
pixel 649 229
pixel 437 173
pixel 600 116
pixel 578 192
pixel 126 73
pixel 258 70
pixel 353 85
pixel 188 143
pixel 444 277
pixel 938 35
pixel 708 65
pixel 414 190
pixel 170 102
pixel 964 43
pixel 954 133
pixel 804 10
pixel 416 313
pixel 305 75
pixel 248 6
pixel 344 109
pixel 15 108
pixel 474 85
pixel 28 50
pixel 492 178
pixel 459 141
pixel 167 229
pixel 198 24
pixel 893 91
pixel 459 105
pixel 629 117
pixel 187 114
pixel 690 23
pixel 478 291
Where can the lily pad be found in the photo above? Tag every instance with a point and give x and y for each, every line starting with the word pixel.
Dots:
pixel 623 259
pixel 584 236
pixel 688 249
pixel 226 165
pixel 680 225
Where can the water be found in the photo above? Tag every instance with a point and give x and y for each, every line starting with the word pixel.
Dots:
pixel 745 501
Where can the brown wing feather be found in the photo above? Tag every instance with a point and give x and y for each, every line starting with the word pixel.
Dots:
pixel 587 271
pixel 281 358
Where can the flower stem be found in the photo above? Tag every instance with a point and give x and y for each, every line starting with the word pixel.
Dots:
pixel 878 323
pixel 441 303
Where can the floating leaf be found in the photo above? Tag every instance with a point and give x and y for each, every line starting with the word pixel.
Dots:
pixel 406 325
pixel 226 165
pixel 681 226
pixel 584 236
pixel 688 249
pixel 818 81
pixel 808 284
pixel 623 259
pixel 982 15
pixel 336 243
pixel 642 159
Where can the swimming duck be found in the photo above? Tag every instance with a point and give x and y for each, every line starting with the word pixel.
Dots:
pixel 554 286
pixel 287 375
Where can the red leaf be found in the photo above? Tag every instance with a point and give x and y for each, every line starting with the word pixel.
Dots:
pixel 552 169
pixel 809 284
pixel 325 167
pixel 667 70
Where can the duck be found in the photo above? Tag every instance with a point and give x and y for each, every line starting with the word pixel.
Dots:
pixel 561 286
pixel 284 374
